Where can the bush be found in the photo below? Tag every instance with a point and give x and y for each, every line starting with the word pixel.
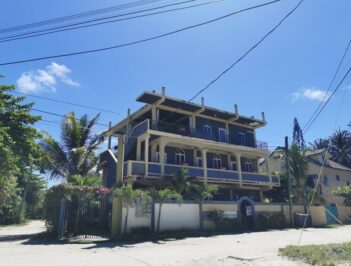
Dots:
pixel 84 208
pixel 224 224
pixel 269 220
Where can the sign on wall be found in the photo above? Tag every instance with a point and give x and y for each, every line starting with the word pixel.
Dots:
pixel 230 214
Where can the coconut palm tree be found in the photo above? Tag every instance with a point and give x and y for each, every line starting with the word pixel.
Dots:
pixel 161 196
pixel 200 193
pixel 341 147
pixel 298 165
pixel 75 153
pixel 128 195
pixel 180 181
pixel 319 144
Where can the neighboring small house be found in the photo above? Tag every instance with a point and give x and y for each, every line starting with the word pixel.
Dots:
pixel 333 175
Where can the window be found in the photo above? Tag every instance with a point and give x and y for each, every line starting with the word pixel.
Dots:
pixel 233 166
pixel 347 183
pixel 325 180
pixel 207 129
pixel 217 161
pixel 158 157
pixel 337 178
pixel 242 138
pixel 222 135
pixel 180 157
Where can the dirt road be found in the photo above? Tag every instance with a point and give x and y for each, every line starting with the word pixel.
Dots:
pixel 242 249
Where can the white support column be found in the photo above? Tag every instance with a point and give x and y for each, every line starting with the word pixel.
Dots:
pixel 258 165
pixel 153 117
pixel 195 157
pixel 204 164
pixel 229 163
pixel 162 156
pixel 238 166
pixel 193 123
pixel 146 154
pixel 120 159
pixel 138 149
pixel 153 152
pixel 268 171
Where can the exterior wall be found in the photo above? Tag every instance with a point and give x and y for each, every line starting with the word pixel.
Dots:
pixel 318 215
pixel 134 221
pixel 109 168
pixel 176 216
pixel 330 184
pixel 344 214
pixel 268 208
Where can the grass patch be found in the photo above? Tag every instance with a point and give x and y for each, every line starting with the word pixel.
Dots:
pixel 323 255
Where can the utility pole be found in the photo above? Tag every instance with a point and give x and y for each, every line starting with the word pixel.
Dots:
pixel 287 167
pixel 109 135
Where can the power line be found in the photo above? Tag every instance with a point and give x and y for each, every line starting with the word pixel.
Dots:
pixel 59 115
pixel 139 41
pixel 329 87
pixel 68 103
pixel 76 25
pixel 77 16
pixel 238 60
pixel 325 104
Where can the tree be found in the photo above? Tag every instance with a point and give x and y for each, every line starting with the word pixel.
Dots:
pixel 341 147
pixel 180 181
pixel 344 192
pixel 161 196
pixel 75 155
pixel 298 165
pixel 18 150
pixel 319 144
pixel 129 195
pixel 201 192
pixel 298 135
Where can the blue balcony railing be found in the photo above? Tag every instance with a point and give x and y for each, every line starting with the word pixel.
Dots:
pixel 138 168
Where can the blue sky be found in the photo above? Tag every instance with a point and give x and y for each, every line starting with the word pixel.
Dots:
pixel 284 77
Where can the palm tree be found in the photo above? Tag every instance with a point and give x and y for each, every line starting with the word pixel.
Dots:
pixel 341 147
pixel 319 144
pixel 75 154
pixel 180 181
pixel 201 192
pixel 128 195
pixel 298 165
pixel 161 196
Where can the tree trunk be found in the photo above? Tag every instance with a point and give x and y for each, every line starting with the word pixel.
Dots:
pixel 77 219
pixel 159 218
pixel 201 217
pixel 125 230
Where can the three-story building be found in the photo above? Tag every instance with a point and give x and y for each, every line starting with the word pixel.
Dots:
pixel 168 134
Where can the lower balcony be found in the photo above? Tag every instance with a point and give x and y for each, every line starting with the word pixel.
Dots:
pixel 153 170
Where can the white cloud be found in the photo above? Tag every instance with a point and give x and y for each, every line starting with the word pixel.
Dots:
pixel 313 94
pixel 45 79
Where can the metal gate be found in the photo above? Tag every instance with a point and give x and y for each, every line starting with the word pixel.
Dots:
pixel 332 214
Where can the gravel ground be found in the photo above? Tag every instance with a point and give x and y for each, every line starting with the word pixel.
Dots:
pixel 243 249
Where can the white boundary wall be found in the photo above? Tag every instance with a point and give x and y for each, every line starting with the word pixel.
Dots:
pixel 176 216
pixel 133 221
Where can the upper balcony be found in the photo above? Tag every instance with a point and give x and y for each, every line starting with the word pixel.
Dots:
pixel 209 133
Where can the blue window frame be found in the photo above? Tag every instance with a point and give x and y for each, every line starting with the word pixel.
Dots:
pixel 337 178
pixel 325 180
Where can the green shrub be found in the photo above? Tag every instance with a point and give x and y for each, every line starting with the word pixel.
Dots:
pixel 224 224
pixel 85 208
pixel 269 220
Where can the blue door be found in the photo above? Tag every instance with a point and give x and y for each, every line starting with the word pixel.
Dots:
pixel 332 214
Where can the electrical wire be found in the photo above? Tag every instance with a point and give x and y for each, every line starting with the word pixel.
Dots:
pixel 68 103
pixel 329 87
pixel 74 26
pixel 59 115
pixel 77 16
pixel 238 60
pixel 142 40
